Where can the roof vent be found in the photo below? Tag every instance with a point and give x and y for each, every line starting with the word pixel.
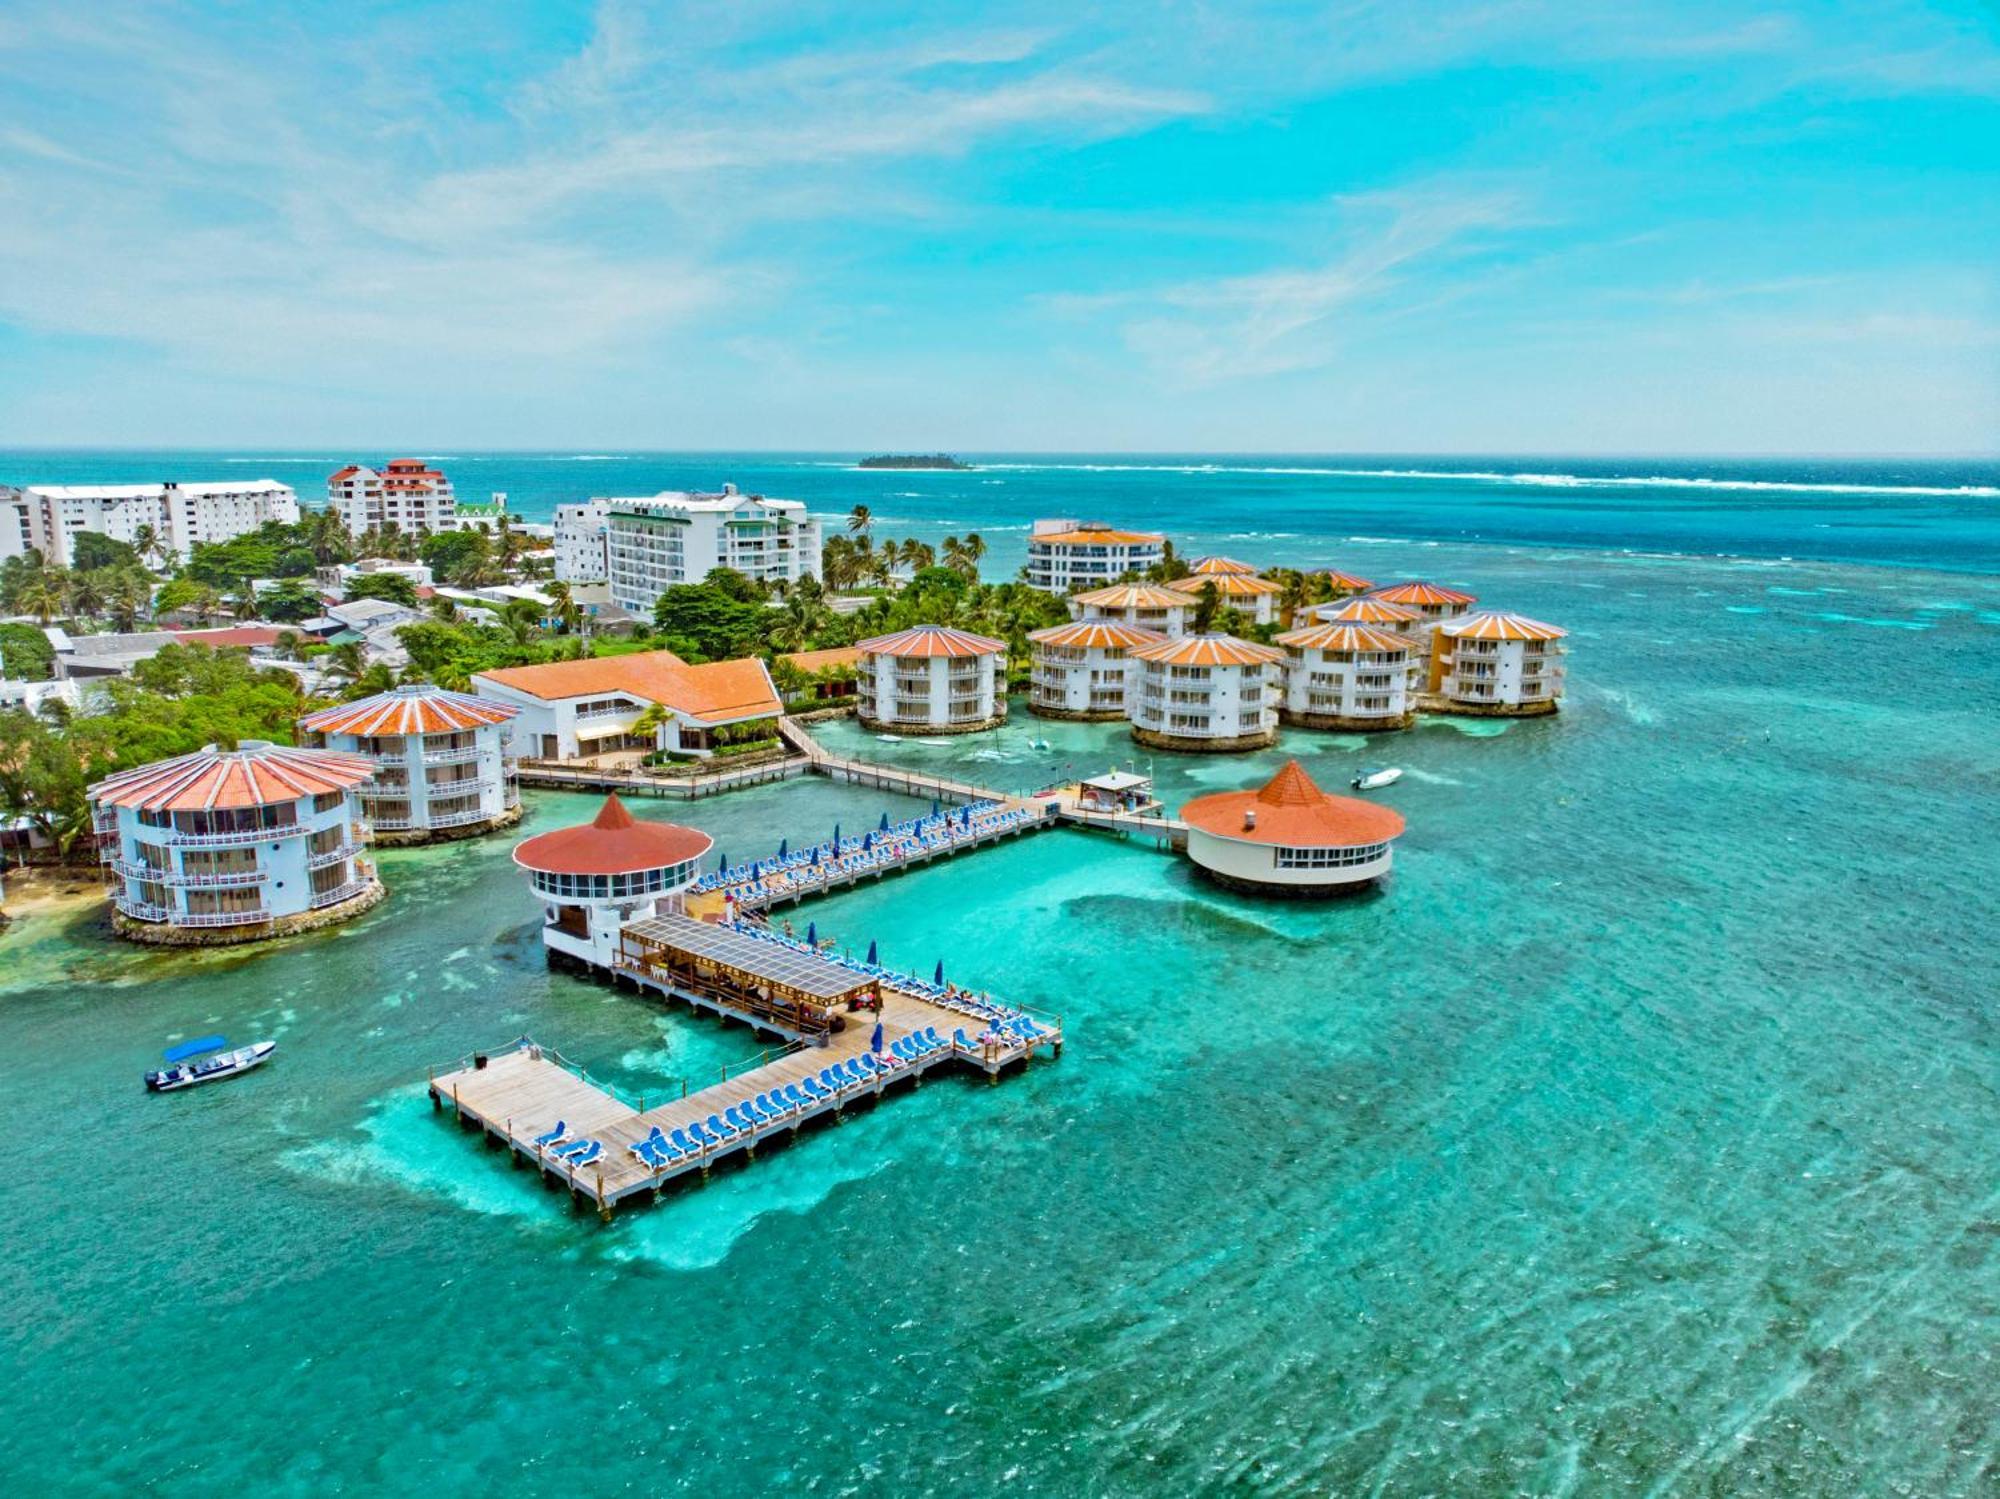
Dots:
pixel 1249 819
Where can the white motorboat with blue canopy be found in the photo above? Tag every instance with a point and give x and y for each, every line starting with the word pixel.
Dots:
pixel 215 1063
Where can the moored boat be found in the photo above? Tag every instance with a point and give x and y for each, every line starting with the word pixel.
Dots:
pixel 1370 780
pixel 183 1071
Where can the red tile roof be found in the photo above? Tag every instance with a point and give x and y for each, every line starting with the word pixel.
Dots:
pixel 810 661
pixel 254 774
pixel 932 640
pixel 1096 634
pixel 410 710
pixel 234 635
pixel 1294 813
pixel 614 842
pixel 720 692
pixel 1209 650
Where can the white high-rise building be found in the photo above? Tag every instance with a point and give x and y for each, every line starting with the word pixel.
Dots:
pixel 1065 554
pixel 583 552
pixel 17 537
pixel 180 516
pixel 676 537
pixel 406 493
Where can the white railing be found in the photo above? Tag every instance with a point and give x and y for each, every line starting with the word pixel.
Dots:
pixel 459 819
pixel 238 839
pixel 631 710
pixel 251 917
pixel 392 824
pixel 332 855
pixel 140 910
pixel 149 875
pixel 339 893
pixel 458 756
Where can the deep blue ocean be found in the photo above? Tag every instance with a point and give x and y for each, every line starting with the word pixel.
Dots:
pixel 1637 1137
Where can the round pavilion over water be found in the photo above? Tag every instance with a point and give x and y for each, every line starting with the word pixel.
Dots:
pixel 594 878
pixel 1290 838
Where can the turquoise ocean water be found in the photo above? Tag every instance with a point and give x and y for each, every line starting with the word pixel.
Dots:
pixel 1637 1138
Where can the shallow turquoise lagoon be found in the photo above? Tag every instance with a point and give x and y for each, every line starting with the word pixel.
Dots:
pixel 1637 1138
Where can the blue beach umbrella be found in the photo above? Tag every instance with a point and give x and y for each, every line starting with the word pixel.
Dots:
pixel 722 864
pixel 812 934
pixel 784 847
pixel 934 806
pixel 938 977
pixel 965 818
pixel 872 959
pixel 816 851
pixel 836 837
pixel 875 1041
pixel 883 825
pixel 867 843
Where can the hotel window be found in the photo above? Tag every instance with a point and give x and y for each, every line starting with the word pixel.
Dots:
pixel 328 801
pixel 1330 858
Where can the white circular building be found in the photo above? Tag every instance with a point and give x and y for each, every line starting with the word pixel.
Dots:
pixel 595 878
pixel 1428 599
pixel 1347 677
pixel 1290 838
pixel 1147 605
pixel 1205 693
pixel 225 846
pixel 933 679
pixel 441 767
pixel 1251 596
pixel 1082 669
pixel 1495 664
pixel 1220 567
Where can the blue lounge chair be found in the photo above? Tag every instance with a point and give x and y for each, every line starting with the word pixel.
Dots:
pixel 812 1090
pixel 715 1126
pixel 798 1098
pixel 590 1150
pixel 773 1106
pixel 644 1150
pixel 831 1080
pixel 702 1137
pixel 754 1110
pixel 680 1140
pixel 959 1040
pixel 554 1137
pixel 857 1070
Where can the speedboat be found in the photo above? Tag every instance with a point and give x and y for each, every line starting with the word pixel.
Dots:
pixel 183 1071
pixel 1370 780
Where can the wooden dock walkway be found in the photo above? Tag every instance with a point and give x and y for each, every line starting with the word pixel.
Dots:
pixel 553 777
pixel 519 1092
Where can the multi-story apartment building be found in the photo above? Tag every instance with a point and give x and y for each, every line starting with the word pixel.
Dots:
pixel 1346 677
pixel 441 765
pixel 406 494
pixel 672 538
pixel 1499 664
pixel 17 537
pixel 1209 693
pixel 1081 669
pixel 1067 554
pixel 1250 595
pixel 232 845
pixel 1147 605
pixel 179 517
pixel 583 550
pixel 933 679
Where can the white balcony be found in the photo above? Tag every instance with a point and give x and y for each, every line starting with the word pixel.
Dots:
pixel 238 839
pixel 332 855
pixel 196 878
pixel 462 755
pixel 339 893
pixel 457 819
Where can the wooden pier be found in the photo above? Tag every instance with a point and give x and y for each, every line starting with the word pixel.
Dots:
pixel 549 776
pixel 521 1091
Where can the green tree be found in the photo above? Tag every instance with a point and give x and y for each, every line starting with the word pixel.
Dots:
pixel 27 653
pixel 395 587
pixel 462 558
pixel 288 602
pixel 91 550
pixel 1208 603
pixel 711 623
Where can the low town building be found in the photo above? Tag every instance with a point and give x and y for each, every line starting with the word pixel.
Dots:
pixel 1150 606
pixel 1205 693
pixel 234 845
pixel 1346 677
pixel 1289 838
pixel 1064 554
pixel 1081 669
pixel 1497 664
pixel 640 704
pixel 933 679
pixel 441 766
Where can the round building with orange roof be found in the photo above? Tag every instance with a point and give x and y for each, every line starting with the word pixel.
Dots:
pixel 442 768
pixel 235 845
pixel 1082 669
pixel 932 679
pixel 1207 694
pixel 1493 664
pixel 1346 677
pixel 1289 838
pixel 594 878
pixel 1150 606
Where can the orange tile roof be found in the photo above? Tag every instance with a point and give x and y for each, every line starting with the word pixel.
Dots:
pixel 1340 579
pixel 839 655
pixel 1213 567
pixel 1096 634
pixel 1209 650
pixel 931 640
pixel 1497 624
pixel 254 774
pixel 1240 585
pixel 720 692
pixel 410 710
pixel 1294 813
pixel 1093 534
pixel 614 842
pixel 1423 594
pixel 230 635
pixel 1367 611
pixel 1337 637
pixel 1136 596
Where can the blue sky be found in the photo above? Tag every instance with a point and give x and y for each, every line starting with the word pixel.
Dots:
pixel 1492 226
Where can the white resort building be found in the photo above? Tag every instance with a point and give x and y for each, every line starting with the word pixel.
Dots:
pixel 1433 604
pixel 226 846
pixel 673 537
pixel 1498 664
pixel 604 705
pixel 1346 677
pixel 1081 669
pixel 933 679
pixel 178 516
pixel 583 550
pixel 1147 605
pixel 405 494
pixel 594 879
pixel 1290 838
pixel 441 767
pixel 1068 554
pixel 1217 567
pixel 1251 596
pixel 1205 693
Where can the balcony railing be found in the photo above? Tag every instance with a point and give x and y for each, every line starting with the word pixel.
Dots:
pixel 339 893
pixel 332 855
pixel 457 819
pixel 596 715
pixel 459 756
pixel 198 878
pixel 251 917
pixel 240 839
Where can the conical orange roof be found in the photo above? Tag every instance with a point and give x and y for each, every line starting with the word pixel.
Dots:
pixel 1291 787
pixel 613 842
pixel 612 814
pixel 1290 811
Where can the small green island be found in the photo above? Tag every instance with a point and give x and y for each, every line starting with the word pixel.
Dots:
pixel 912 460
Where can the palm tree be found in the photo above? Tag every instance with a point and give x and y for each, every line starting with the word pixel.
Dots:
pixel 147 543
pixel 374 679
pixel 522 618
pixel 326 535
pixel 444 609
pixel 975 548
pixel 346 662
pixel 1208 603
pixel 859 519
pixel 129 592
pixel 288 646
pixel 86 594
pixel 45 593
pixel 959 557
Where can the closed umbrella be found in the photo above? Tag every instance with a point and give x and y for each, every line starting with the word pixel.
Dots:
pixel 816 852
pixel 872 959
pixel 867 843
pixel 836 837
pixel 883 825
pixel 965 818
pixel 875 1041
pixel 812 934
pixel 938 977
pixel 934 806
pixel 784 847
pixel 722 864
